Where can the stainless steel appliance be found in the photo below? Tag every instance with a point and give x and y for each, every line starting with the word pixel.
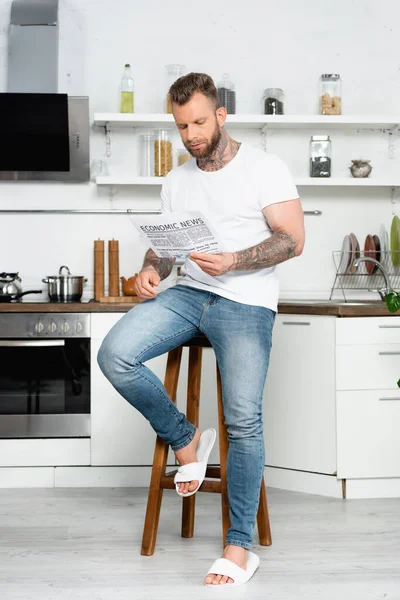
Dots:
pixel 44 375
pixel 30 117
pixel 78 140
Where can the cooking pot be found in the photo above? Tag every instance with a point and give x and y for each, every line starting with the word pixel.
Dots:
pixel 64 288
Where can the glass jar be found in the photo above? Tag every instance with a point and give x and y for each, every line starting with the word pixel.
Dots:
pixel 320 156
pixel 162 153
pixel 146 154
pixel 172 73
pixel 330 93
pixel 273 101
pixel 227 94
pixel 183 156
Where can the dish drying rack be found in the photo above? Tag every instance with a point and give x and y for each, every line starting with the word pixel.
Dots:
pixel 358 278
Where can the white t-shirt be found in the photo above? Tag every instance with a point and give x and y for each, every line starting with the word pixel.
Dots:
pixel 232 200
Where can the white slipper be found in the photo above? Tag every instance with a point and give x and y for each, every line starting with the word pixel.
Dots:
pixel 223 566
pixel 196 470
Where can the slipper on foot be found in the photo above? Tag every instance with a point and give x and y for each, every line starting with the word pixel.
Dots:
pixel 223 566
pixel 196 470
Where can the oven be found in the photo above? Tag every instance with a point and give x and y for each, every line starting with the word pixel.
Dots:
pixel 44 375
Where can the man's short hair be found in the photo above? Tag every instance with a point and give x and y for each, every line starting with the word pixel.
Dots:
pixel 184 88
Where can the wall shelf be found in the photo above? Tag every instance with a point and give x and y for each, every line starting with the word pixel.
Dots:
pixel 157 120
pixel 390 182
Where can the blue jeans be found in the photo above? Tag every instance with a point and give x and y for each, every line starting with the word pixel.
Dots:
pixel 241 337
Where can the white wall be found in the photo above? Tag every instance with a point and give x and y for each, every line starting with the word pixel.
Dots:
pixel 285 43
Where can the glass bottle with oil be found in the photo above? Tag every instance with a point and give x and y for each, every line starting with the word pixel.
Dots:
pixel 127 91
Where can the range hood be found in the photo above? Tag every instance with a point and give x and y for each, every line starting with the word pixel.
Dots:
pixel 44 135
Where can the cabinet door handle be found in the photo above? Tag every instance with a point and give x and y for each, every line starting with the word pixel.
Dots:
pixel 389 353
pixel 389 399
pixel 296 323
pixel 389 326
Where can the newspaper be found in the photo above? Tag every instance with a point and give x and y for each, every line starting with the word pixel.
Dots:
pixel 177 234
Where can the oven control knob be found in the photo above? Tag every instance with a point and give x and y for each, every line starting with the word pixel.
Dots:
pixel 39 327
pixel 65 327
pixel 78 327
pixel 52 327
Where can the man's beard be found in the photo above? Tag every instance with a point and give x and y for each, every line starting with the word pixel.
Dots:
pixel 209 148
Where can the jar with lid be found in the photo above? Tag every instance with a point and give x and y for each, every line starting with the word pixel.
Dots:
pixel 172 73
pixel 162 153
pixel 183 156
pixel 146 154
pixel 273 101
pixel 227 94
pixel 320 156
pixel 330 94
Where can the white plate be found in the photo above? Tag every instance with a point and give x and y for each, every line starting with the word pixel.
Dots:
pixel 346 255
pixel 384 239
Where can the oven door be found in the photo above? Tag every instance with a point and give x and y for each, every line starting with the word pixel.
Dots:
pixel 44 388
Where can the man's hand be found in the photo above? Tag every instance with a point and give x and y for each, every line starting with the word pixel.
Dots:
pixel 213 264
pixel 146 282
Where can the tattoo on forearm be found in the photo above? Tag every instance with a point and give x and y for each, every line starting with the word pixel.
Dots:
pixel 279 247
pixel 163 266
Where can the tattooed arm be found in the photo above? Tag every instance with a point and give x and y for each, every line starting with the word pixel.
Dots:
pixel 154 269
pixel 163 266
pixel 286 221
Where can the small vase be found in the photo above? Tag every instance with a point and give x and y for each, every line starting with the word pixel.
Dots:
pixel 360 168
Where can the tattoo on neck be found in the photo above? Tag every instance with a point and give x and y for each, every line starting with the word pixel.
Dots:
pixel 279 247
pixel 163 266
pixel 224 153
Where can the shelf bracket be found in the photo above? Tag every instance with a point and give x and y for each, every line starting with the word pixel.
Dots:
pixel 393 135
pixel 395 198
pixel 264 138
pixel 107 132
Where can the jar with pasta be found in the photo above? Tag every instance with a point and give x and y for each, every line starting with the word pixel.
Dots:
pixel 330 94
pixel 162 153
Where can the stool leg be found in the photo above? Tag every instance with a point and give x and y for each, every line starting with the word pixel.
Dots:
pixel 223 456
pixel 264 528
pixel 160 461
pixel 192 415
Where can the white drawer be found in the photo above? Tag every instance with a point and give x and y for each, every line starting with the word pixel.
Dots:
pixel 371 367
pixel 368 330
pixel 368 440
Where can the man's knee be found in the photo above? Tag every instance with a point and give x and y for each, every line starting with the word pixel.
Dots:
pixel 246 427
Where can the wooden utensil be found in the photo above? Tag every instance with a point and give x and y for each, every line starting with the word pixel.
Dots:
pixel 113 268
pixel 98 269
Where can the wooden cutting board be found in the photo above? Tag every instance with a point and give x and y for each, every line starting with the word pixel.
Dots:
pixel 120 299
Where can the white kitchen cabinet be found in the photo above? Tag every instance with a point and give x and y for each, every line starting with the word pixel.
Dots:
pixel 120 435
pixel 299 396
pixel 367 397
pixel 368 429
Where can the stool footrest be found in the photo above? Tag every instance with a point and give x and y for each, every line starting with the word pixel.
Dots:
pixel 211 473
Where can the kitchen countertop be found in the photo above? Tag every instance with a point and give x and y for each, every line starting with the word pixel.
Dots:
pixel 294 307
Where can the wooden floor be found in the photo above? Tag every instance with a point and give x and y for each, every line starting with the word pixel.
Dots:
pixel 84 544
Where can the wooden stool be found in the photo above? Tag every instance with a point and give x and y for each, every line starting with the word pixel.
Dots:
pixel 161 480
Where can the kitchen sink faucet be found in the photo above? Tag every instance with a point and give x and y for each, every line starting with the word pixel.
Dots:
pixel 383 292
